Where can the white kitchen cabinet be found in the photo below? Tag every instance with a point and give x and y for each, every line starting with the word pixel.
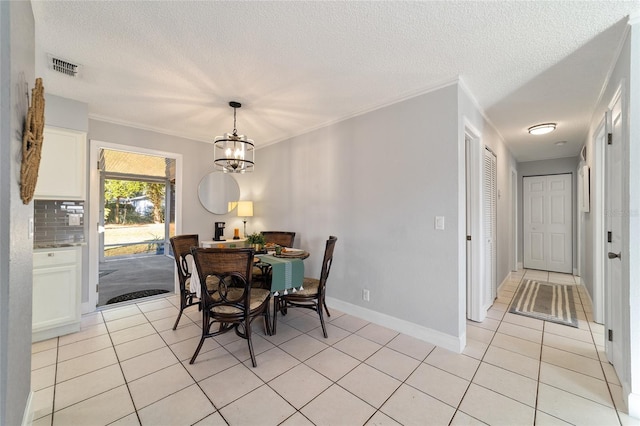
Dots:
pixel 62 172
pixel 56 292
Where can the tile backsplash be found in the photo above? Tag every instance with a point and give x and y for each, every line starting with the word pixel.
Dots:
pixel 58 221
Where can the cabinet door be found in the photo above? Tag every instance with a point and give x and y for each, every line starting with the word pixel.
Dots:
pixel 55 296
pixel 62 168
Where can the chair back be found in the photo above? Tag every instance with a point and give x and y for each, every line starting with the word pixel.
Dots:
pixel 326 263
pixel 281 238
pixel 181 245
pixel 225 279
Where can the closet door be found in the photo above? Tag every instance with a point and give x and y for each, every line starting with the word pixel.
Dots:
pixel 547 226
pixel 490 208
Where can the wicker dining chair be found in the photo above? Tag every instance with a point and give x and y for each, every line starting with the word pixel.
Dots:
pixel 227 297
pixel 281 238
pixel 312 296
pixel 181 245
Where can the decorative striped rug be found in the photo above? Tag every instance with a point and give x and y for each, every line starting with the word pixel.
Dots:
pixel 545 301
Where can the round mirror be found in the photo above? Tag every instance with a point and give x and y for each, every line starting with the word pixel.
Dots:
pixel 218 192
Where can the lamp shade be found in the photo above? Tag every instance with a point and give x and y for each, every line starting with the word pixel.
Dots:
pixel 245 208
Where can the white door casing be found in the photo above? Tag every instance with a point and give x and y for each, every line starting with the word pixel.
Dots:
pixel 490 203
pixel 613 224
pixel 476 310
pixel 548 224
pixel 93 241
pixel 599 252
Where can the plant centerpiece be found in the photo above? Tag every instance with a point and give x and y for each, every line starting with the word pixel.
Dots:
pixel 256 240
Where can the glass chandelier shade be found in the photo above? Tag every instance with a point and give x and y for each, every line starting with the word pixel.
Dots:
pixel 233 153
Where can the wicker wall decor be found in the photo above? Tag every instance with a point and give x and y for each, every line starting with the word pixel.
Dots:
pixel 32 139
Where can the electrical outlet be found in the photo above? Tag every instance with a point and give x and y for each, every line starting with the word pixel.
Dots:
pixel 365 295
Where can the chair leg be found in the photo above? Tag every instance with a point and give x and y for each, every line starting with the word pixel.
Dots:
pixel 247 332
pixel 206 326
pixel 324 329
pixel 267 320
pixel 324 303
pixel 178 319
pixel 276 301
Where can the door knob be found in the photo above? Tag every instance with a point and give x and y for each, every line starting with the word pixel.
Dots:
pixel 614 255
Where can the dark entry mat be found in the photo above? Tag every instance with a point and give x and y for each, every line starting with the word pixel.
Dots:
pixel 135 295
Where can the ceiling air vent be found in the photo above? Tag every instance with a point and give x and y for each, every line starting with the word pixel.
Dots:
pixel 63 66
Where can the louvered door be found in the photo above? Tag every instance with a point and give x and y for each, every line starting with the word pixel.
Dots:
pixel 490 207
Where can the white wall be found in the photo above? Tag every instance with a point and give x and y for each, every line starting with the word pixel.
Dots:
pixel 17 46
pixel 625 74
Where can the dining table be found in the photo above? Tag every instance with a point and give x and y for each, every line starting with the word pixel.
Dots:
pixel 285 271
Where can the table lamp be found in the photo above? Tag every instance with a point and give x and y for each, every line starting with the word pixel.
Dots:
pixel 245 210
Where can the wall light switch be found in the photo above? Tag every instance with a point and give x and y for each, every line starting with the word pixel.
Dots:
pixel 440 222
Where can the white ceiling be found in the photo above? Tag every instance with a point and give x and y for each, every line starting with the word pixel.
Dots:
pixel 173 66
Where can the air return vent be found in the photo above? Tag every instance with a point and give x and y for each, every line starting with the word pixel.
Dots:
pixel 63 66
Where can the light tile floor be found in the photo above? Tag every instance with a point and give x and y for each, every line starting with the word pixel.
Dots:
pixel 127 367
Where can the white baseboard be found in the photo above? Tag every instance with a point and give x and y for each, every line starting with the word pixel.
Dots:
pixel 86 308
pixel 520 267
pixel 446 341
pixel 633 403
pixel 27 416
pixel 504 281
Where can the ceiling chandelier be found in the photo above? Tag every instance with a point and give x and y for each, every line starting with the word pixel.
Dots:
pixel 233 153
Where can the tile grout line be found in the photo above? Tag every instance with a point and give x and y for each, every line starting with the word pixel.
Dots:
pixel 481 361
pixel 604 374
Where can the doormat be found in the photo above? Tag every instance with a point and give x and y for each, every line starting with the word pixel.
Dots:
pixel 545 301
pixel 135 295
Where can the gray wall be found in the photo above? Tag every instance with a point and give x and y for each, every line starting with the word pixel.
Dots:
pixel 548 167
pixel 377 181
pixel 17 50
pixel 67 113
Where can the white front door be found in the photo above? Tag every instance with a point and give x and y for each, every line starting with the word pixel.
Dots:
pixel 547 226
pixel 613 224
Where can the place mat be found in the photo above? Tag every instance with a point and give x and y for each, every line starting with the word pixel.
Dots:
pixel 545 301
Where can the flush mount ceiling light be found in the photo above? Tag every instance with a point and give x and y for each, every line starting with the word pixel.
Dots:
pixel 233 153
pixel 542 129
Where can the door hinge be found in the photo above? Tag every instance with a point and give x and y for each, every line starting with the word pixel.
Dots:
pixel 468 237
pixel 98 163
pixel 96 288
pixel 609 138
pixel 609 237
pixel 610 335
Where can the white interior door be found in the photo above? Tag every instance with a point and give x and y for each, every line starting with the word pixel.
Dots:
pixel 490 202
pixel 614 209
pixel 548 225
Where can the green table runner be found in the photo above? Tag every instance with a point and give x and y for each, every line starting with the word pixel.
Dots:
pixel 286 274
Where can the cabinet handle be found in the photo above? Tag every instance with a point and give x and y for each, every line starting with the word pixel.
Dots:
pixel 51 254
